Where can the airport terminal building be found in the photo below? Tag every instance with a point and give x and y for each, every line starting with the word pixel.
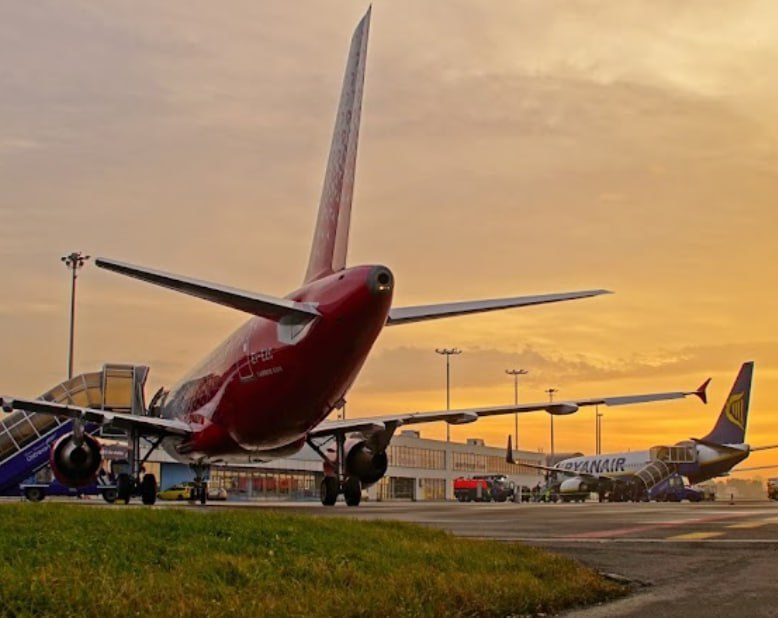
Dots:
pixel 419 469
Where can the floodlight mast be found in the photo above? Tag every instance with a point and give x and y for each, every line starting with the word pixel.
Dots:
pixel 516 373
pixel 550 392
pixel 448 352
pixel 75 262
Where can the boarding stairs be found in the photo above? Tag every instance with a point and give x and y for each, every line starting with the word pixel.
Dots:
pixel 654 473
pixel 664 464
pixel 26 437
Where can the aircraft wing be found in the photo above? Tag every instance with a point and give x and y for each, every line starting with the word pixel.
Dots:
pixel 571 473
pixel 419 313
pixel 148 425
pixel 256 304
pixel 585 475
pixel 468 415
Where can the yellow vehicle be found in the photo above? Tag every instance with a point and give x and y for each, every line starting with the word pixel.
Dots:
pixel 179 491
pixel 185 491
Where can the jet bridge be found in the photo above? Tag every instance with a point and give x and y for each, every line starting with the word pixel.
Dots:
pixel 26 437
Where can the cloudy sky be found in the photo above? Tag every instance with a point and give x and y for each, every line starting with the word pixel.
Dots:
pixel 506 149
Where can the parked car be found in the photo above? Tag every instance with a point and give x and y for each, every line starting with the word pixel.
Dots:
pixel 179 491
pixel 217 493
pixel 185 491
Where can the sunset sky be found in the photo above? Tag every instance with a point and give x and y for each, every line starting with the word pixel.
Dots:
pixel 506 149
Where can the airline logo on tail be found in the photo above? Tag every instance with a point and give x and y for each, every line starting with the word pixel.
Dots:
pixel 736 411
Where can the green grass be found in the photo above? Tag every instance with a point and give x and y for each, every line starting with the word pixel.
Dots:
pixel 58 559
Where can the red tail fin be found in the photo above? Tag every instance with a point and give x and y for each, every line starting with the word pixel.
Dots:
pixel 330 240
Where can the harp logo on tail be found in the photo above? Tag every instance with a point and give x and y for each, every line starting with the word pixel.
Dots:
pixel 736 411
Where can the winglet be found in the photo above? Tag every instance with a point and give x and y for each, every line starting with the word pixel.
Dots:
pixel 702 391
pixel 509 454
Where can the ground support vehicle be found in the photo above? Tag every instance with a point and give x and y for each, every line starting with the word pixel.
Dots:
pixel 483 489
pixel 35 492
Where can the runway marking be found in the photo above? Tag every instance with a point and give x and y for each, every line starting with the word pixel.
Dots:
pixel 694 536
pixel 654 541
pixel 616 532
pixel 747 524
pixel 771 520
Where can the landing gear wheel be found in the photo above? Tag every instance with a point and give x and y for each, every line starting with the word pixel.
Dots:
pixel 124 487
pixel 34 494
pixel 328 491
pixel 148 489
pixel 109 495
pixel 352 491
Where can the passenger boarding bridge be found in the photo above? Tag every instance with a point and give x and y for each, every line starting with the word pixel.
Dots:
pixel 26 437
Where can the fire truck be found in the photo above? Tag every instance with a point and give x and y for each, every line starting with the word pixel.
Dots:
pixel 483 488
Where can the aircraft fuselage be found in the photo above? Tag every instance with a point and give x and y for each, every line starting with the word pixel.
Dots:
pixel 269 383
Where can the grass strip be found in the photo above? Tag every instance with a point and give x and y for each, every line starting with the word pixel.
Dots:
pixel 69 560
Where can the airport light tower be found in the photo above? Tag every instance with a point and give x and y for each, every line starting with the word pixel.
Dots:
pixel 75 262
pixel 550 392
pixel 516 373
pixel 597 430
pixel 448 352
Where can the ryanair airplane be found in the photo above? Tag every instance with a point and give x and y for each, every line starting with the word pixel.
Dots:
pixel 633 474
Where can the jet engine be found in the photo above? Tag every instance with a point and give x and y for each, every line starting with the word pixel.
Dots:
pixel 75 462
pixel 361 461
pixel 573 486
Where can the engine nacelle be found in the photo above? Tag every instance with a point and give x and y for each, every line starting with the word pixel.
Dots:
pixel 574 485
pixel 363 463
pixel 74 464
pixel 562 409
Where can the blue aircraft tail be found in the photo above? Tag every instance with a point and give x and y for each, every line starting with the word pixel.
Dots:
pixel 730 427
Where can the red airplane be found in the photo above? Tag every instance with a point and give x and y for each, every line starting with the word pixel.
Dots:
pixel 267 389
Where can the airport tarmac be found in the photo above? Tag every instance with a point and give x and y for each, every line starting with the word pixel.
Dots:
pixel 712 559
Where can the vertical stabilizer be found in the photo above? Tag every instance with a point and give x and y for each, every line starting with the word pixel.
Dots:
pixel 730 427
pixel 330 238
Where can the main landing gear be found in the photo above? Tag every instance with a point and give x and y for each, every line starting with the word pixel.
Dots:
pixel 336 481
pixel 351 488
pixel 131 477
pixel 200 488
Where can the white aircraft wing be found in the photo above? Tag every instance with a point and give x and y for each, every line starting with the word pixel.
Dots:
pixel 571 473
pixel 148 425
pixel 260 305
pixel 468 415
pixel 419 313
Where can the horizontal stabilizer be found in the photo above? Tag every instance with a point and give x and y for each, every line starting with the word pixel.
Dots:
pixel 720 447
pixel 763 448
pixel 405 315
pixel 256 304
pixel 751 469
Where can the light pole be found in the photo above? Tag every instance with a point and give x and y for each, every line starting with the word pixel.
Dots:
pixel 598 430
pixel 516 373
pixel 448 352
pixel 550 392
pixel 75 261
